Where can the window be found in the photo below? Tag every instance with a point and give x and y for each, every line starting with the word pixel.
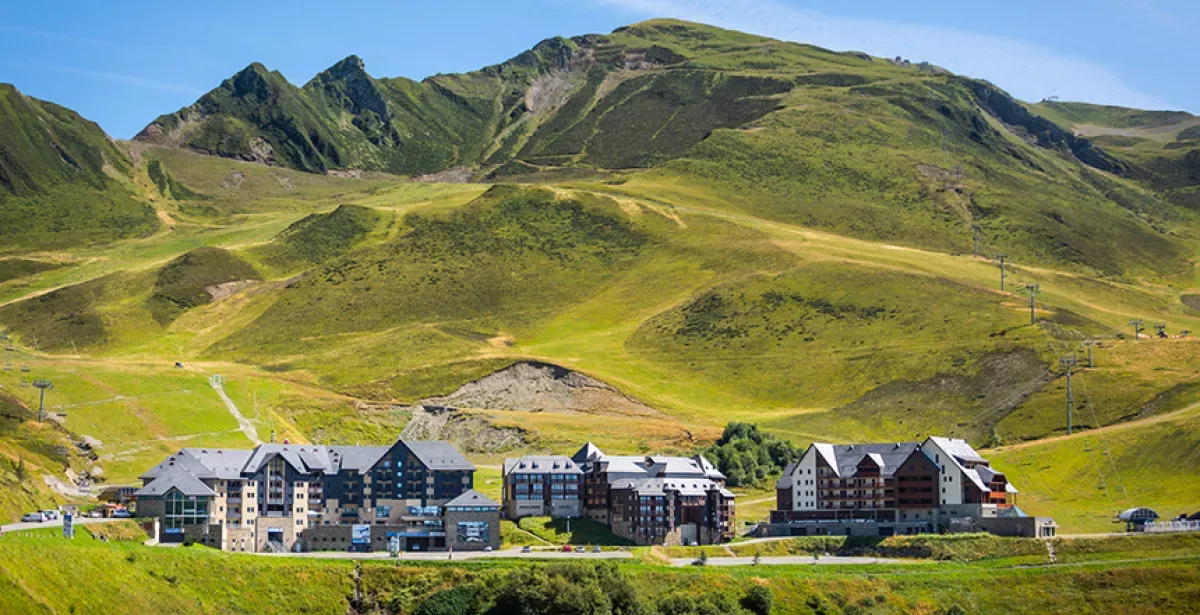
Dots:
pixel 184 510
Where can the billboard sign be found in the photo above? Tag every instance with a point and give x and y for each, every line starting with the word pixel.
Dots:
pixel 473 531
pixel 360 535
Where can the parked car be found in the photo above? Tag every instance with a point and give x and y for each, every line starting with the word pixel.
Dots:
pixel 51 515
pixel 566 549
pixel 95 514
pixel 33 517
pixel 596 549
pixel 122 514
pixel 526 549
pixel 580 549
pixel 487 549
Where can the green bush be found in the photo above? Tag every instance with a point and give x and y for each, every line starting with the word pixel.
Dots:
pixel 748 456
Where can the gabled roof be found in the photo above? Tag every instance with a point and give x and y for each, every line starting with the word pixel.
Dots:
pixel 662 486
pixel 356 458
pixel 588 452
pixel 960 453
pixel 439 455
pixel 958 448
pixel 472 497
pixel 541 464
pixel 889 457
pixel 786 480
pixel 826 453
pixel 178 478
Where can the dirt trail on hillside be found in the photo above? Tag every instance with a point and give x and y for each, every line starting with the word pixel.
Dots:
pixel 1160 418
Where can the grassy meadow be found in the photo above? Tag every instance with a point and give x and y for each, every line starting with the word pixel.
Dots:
pixel 351 298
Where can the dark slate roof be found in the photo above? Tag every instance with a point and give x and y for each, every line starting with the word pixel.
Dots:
pixel 890 455
pixel 588 452
pixel 357 458
pixel 175 477
pixel 439 455
pixel 542 464
pixel 472 497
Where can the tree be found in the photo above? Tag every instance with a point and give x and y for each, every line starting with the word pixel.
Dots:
pixel 748 456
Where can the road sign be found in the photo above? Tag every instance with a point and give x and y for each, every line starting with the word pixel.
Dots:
pixel 68 526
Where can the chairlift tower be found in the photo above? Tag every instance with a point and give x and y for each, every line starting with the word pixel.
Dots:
pixel 1002 258
pixel 1089 344
pixel 1161 328
pixel 42 384
pixel 1137 329
pixel 1069 363
pixel 1033 291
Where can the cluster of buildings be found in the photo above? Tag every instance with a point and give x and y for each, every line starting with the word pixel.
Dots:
pixel 413 496
pixel 419 496
pixel 939 485
pixel 644 499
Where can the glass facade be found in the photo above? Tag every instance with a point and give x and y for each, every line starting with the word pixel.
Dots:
pixel 184 510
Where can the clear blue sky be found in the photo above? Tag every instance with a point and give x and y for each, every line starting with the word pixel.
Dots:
pixel 124 67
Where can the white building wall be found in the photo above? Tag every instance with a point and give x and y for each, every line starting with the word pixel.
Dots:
pixel 950 479
pixel 804 484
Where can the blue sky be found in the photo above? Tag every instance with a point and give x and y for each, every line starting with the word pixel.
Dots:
pixel 124 66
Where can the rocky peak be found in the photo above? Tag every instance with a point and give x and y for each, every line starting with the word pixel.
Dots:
pixel 253 82
pixel 348 85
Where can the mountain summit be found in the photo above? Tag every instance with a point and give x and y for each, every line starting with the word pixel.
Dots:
pixel 874 148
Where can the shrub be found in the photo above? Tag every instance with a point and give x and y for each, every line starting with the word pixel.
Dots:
pixel 748 456
pixel 458 600
pixel 758 600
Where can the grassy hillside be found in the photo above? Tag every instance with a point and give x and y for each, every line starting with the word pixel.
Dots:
pixel 190 280
pixel 317 238
pixel 1083 480
pixel 62 180
pixel 47 575
pixel 720 226
pixel 783 131
pixel 1162 147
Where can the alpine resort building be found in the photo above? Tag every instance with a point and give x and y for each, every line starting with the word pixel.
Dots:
pixel 645 499
pixel 939 485
pixel 304 497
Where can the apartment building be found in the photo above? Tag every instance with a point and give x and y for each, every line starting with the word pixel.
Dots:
pixel 303 497
pixel 544 486
pixel 941 484
pixel 646 499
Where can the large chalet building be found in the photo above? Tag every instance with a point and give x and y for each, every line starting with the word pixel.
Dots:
pixel 941 484
pixel 304 497
pixel 645 499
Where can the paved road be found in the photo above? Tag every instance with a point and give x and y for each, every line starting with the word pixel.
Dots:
pixel 19 527
pixel 789 560
pixel 458 555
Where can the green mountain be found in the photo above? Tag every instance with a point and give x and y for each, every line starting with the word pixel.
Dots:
pixel 1161 148
pixel 61 178
pixel 718 226
pixel 841 141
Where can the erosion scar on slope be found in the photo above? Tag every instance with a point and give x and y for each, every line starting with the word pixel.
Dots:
pixel 244 425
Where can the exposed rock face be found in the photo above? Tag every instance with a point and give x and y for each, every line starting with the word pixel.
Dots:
pixel 542 387
pixel 472 433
